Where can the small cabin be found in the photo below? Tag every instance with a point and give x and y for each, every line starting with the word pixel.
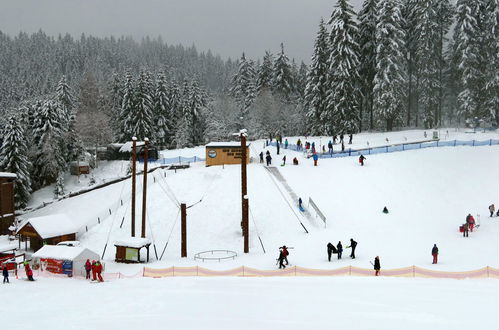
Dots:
pixel 49 229
pixel 128 250
pixel 79 167
pixel 63 259
pixel 223 153
pixel 7 206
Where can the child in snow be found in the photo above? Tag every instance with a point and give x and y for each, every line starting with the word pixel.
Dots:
pixel 29 272
pixel 470 221
pixel 385 210
pixel 361 160
pixel 315 157
pixel 377 265
pixel 286 144
pixel 300 202
pixel 284 160
pixel 434 253
pixel 492 209
pixel 5 273
pixel 295 161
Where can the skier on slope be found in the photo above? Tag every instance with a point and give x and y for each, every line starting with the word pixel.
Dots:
pixel 284 160
pixel 261 157
pixel 300 203
pixel 434 253
pixel 361 160
pixel 286 254
pixel 339 247
pixel 470 221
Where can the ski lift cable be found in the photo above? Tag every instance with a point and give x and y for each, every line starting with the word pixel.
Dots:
pixel 170 235
pixel 114 218
pixel 173 199
pixel 208 188
pixel 256 228
pixel 170 190
pixel 286 200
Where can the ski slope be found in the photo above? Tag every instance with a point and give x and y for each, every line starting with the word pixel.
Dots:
pixel 428 193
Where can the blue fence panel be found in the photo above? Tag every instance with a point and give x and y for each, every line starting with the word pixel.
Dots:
pixel 482 143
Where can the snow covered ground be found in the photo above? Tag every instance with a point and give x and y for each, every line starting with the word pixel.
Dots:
pixel 254 303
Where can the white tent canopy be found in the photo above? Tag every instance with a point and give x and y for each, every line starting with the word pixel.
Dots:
pixel 78 255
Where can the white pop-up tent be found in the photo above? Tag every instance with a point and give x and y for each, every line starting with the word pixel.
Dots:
pixel 60 259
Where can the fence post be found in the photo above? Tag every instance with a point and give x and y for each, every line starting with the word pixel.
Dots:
pixel 369 151
pixel 420 145
pixel 413 271
pixel 488 272
pixel 350 270
pixel 349 151
pixel 173 267
pixel 490 143
pixel 179 160
pixel 98 220
pixel 455 143
pixel 473 143
pixel 437 143
pixel 386 148
pixel 403 147
pixel 197 270
pixel 243 271
pixel 109 211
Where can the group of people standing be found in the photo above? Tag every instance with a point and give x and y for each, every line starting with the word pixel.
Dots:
pixel 96 268
pixel 338 249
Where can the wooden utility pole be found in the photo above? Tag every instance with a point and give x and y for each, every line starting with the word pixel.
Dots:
pixel 183 226
pixel 144 194
pixel 134 175
pixel 244 193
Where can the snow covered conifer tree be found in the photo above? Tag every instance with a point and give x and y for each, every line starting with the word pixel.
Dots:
pixel 162 113
pixel 142 115
pixel 470 56
pixel 243 85
pixel 492 42
pixel 341 114
pixel 282 78
pixel 127 109
pixel 264 76
pixel 59 186
pixel 389 81
pixel 317 82
pixel 367 57
pixel 14 159
pixel 65 98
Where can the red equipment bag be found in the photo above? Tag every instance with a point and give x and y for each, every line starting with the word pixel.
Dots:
pixel 461 229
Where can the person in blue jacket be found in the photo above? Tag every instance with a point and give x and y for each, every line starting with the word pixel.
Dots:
pixel 315 157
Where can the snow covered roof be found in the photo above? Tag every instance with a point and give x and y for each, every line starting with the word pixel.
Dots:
pixel 226 144
pixel 7 175
pixel 51 225
pixel 61 252
pixel 80 163
pixel 127 147
pixel 134 242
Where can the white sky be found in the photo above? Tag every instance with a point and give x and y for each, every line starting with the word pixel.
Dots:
pixel 227 27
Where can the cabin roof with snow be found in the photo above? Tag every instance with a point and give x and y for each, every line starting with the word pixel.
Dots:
pixel 127 147
pixel 61 252
pixel 231 144
pixel 8 175
pixel 133 242
pixel 51 225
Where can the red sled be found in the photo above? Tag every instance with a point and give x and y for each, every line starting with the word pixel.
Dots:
pixel 461 229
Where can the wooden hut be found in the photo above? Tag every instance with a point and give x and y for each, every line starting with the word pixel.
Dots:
pixel 128 250
pixel 79 167
pixel 7 207
pixel 50 229
pixel 223 153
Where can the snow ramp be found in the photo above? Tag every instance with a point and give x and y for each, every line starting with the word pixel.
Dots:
pixel 278 179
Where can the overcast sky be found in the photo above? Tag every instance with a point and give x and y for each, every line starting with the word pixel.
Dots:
pixel 227 27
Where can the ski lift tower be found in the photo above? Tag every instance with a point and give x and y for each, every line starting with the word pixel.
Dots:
pixel 244 190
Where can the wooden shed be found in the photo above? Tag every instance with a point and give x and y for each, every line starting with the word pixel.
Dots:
pixel 222 153
pixel 7 207
pixel 50 229
pixel 79 167
pixel 128 250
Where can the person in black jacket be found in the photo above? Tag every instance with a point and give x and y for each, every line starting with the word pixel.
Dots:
pixel 353 245
pixel 261 157
pixel 434 253
pixel 269 160
pixel 5 273
pixel 377 265
pixel 340 249
pixel 281 258
pixel 330 250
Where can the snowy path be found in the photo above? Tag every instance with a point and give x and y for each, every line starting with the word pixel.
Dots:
pixel 254 303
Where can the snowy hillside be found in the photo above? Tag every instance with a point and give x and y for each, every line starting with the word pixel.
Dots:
pixel 428 193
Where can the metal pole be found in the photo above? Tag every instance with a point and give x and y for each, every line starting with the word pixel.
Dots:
pixel 244 193
pixel 183 226
pixel 144 194
pixel 134 183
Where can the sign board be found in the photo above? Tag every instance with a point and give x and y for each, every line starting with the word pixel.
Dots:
pixel 132 254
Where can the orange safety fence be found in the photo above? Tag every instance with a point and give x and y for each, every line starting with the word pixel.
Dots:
pixel 412 271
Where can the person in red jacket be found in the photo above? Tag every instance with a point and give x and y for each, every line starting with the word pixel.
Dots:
pixel 98 270
pixel 29 272
pixel 88 268
pixel 94 270
pixel 285 252
pixel 471 221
